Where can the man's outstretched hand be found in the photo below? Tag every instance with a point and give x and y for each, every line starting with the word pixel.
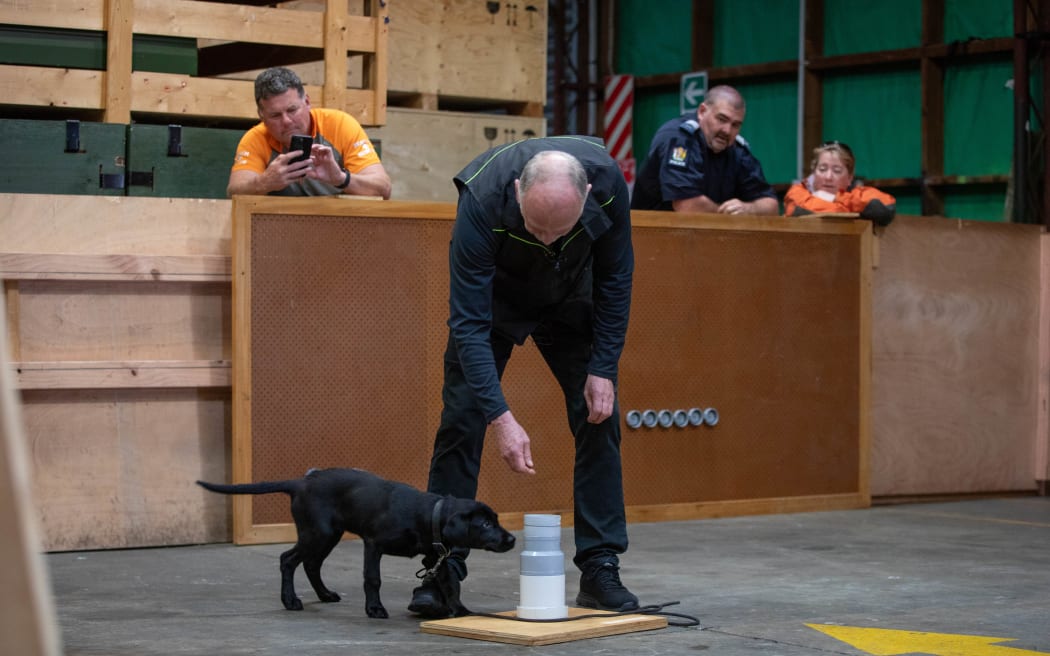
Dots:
pixel 513 443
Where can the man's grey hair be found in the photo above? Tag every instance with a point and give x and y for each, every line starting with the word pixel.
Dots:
pixel 548 164
pixel 724 93
pixel 275 81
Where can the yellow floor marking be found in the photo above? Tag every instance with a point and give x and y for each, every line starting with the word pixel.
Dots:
pixel 888 642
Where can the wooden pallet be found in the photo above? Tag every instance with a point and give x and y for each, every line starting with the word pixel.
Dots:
pixel 120 92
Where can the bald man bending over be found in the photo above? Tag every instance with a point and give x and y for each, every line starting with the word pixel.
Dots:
pixel 541 247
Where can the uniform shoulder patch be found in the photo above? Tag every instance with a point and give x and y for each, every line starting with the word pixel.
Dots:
pixel 678 156
pixel 690 126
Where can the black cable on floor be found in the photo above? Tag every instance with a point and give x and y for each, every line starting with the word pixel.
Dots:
pixel 652 609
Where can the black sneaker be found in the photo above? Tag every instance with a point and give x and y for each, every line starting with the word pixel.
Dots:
pixel 600 588
pixel 428 602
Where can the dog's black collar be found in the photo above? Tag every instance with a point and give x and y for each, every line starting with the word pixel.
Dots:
pixel 428 574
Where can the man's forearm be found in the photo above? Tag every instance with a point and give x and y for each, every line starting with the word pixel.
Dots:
pixel 246 183
pixel 764 205
pixel 695 204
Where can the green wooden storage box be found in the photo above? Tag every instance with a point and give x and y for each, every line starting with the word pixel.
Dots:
pixel 59 48
pixel 62 157
pixel 180 162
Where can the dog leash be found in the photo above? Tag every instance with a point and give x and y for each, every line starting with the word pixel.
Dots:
pixel 429 574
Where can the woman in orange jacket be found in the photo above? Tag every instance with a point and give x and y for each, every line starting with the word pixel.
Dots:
pixel 830 188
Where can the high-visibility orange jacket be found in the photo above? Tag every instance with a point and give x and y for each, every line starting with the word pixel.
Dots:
pixel 850 200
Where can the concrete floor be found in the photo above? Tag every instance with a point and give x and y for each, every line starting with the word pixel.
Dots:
pixel 978 568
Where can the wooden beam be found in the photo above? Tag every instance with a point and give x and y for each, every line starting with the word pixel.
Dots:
pixel 117 95
pixel 82 15
pixel 122 375
pixel 68 266
pixel 931 73
pixel 583 70
pixel 964 180
pixel 722 74
pixel 210 20
pixel 174 94
pixel 335 68
pixel 813 105
pixel 64 88
pixel 377 68
pixel 966 51
pixel 703 56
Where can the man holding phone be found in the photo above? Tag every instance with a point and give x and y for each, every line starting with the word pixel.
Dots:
pixel 300 151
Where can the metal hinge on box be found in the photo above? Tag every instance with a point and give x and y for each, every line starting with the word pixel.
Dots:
pixel 73 137
pixel 132 178
pixel 122 181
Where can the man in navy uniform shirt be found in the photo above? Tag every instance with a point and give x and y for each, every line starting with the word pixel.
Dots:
pixel 701 164
pixel 541 247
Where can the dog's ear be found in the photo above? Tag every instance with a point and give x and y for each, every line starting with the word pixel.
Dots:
pixel 457 528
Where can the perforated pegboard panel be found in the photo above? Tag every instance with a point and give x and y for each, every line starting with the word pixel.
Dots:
pixel 338 343
pixel 765 328
pixel 348 331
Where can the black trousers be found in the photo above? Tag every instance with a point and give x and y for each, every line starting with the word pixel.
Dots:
pixel 600 526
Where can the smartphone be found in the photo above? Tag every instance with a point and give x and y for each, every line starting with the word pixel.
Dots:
pixel 303 143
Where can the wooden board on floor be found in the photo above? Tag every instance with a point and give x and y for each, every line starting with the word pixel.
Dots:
pixel 532 634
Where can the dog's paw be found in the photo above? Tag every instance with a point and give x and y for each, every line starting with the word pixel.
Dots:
pixel 292 603
pixel 377 612
pixel 328 596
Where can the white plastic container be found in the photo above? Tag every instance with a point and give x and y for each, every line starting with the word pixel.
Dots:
pixel 542 570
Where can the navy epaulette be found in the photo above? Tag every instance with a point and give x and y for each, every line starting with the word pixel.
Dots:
pixel 690 126
pixel 740 141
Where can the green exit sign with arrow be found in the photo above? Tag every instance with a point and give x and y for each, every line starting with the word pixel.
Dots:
pixel 692 90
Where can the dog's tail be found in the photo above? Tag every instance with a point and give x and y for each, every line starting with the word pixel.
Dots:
pixel 266 487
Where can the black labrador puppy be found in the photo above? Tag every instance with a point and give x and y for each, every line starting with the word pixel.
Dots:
pixel 390 518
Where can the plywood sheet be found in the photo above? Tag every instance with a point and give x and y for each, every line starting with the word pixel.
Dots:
pixel 955 346
pixel 116 468
pixel 511 631
pixel 74 320
pixel 44 223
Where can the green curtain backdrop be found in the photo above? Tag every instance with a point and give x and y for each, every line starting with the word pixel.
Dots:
pixel 878 111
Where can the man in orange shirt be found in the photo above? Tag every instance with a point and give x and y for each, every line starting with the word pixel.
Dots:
pixel 341 161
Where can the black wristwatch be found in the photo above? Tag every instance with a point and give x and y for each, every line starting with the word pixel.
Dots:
pixel 345 182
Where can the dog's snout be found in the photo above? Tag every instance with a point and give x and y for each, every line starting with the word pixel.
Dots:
pixel 507 543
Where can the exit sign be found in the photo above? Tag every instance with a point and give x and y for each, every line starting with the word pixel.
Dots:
pixel 692 90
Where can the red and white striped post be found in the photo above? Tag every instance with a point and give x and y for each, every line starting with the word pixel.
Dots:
pixel 619 114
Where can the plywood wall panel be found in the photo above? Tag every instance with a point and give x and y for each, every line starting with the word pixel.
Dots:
pixel 955 348
pixel 123 321
pixel 44 223
pixel 116 468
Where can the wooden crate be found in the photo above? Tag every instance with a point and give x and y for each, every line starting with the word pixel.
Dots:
pixel 423 150
pixel 239 31
pixel 457 55
pixel 445 53
pixel 118 320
